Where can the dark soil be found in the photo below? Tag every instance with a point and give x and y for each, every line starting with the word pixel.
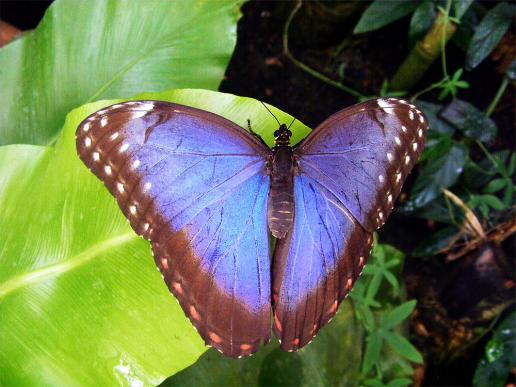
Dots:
pixel 259 69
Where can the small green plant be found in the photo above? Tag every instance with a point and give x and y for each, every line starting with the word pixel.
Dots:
pixel 376 299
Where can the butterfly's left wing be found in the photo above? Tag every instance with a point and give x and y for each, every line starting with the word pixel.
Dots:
pixel 350 171
pixel 195 185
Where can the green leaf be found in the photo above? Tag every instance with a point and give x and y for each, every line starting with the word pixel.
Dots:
pixel 471 121
pixel 438 210
pixel 494 368
pixel 374 285
pixel 422 20
pixel 436 124
pixel 115 49
pixel 435 242
pixel 495 186
pixel 512 165
pixel 402 347
pixel 477 175
pixel 488 33
pixel 400 382
pixel 435 147
pixel 332 359
pixel 437 174
pixel 466 28
pixel 373 383
pixel 391 279
pixel 80 297
pixel 451 86
pixel 372 351
pixel 490 200
pixel 397 315
pixel 460 7
pixel 381 13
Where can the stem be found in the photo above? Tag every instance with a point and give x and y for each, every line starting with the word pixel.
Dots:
pixel 493 160
pixel 496 99
pixel 306 68
pixel 425 52
pixel 428 89
pixel 446 21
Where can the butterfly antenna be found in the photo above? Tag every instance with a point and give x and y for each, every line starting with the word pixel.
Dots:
pixel 291 123
pixel 279 123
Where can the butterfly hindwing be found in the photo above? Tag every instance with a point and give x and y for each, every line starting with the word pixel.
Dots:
pixel 316 265
pixel 349 172
pixel 194 184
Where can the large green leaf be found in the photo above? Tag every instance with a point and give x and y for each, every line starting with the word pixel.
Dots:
pixel 80 298
pixel 332 359
pixel 85 51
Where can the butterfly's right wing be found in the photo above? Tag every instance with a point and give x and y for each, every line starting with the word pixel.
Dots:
pixel 350 170
pixel 195 185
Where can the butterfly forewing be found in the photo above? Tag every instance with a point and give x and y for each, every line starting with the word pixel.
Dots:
pixel 195 185
pixel 349 172
pixel 363 155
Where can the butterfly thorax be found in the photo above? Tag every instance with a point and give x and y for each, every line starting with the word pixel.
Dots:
pixel 281 197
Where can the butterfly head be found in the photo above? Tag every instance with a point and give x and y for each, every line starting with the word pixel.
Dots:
pixel 282 136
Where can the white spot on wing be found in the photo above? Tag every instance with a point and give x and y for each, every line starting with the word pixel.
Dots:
pixel 96 156
pixel 407 159
pixel 136 164
pixel 124 147
pixel 404 128
pixel 86 126
pixel 132 210
pixel 397 140
pixel 147 106
pixel 103 121
pixel 120 187
pixel 414 146
pixel 384 104
pixel 107 169
pixel 87 142
pixel 420 132
pixel 138 114
pixel 411 114
pixel 147 186
pixel 114 136
pixel 381 178
pixel 390 157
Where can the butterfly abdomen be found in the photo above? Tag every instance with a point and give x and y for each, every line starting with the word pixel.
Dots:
pixel 281 197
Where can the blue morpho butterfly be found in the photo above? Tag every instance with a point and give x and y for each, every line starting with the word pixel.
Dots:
pixel 206 192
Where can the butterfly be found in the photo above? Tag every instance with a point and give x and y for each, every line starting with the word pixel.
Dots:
pixel 205 193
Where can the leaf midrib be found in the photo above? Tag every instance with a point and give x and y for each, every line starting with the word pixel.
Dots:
pixel 50 271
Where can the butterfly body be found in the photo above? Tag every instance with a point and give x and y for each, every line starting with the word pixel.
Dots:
pixel 280 211
pixel 207 207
